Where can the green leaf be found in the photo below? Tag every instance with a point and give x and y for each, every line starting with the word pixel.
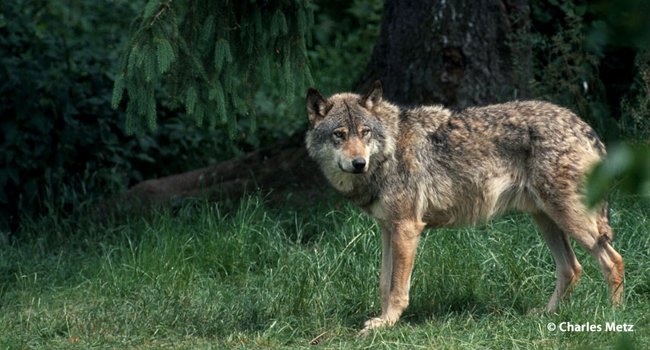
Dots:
pixel 165 55
pixel 199 114
pixel 133 60
pixel 287 73
pixel 151 110
pixel 142 100
pixel 627 167
pixel 207 31
pixel 211 114
pixel 217 95
pixel 232 126
pixel 250 42
pixel 257 22
pixel 264 66
pixel 302 22
pixel 151 8
pixel 191 98
pixel 149 65
pixel 221 54
pixel 279 24
pixel 230 78
pixel 252 127
pixel 118 91
pixel 238 104
pixel 131 119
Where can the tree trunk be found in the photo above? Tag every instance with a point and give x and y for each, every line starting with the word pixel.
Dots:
pixel 457 53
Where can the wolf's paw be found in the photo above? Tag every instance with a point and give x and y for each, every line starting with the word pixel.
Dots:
pixel 373 323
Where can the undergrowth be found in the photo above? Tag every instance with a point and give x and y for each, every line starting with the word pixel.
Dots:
pixel 256 276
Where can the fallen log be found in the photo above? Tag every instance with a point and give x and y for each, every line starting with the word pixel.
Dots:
pixel 280 167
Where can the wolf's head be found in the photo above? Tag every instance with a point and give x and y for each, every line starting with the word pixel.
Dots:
pixel 350 133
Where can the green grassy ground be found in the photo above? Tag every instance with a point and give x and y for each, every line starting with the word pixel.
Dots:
pixel 262 277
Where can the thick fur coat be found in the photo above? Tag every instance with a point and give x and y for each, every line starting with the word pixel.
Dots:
pixel 428 166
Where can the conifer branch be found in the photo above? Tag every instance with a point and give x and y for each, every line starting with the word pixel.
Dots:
pixel 213 56
pixel 164 7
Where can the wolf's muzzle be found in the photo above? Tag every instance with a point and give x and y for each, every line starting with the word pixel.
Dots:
pixel 358 164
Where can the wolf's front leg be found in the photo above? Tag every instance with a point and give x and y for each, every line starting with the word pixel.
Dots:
pixel 399 243
pixel 386 267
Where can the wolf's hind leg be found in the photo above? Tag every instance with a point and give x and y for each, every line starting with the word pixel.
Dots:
pixel 615 277
pixel 568 269
pixel 594 234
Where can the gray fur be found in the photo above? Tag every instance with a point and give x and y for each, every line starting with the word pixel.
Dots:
pixel 429 166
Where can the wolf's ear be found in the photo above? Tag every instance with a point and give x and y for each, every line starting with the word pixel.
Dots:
pixel 374 96
pixel 317 106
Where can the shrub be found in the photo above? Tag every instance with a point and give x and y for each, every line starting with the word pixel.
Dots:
pixel 61 143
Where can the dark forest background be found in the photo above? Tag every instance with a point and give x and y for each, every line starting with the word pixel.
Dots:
pixel 63 147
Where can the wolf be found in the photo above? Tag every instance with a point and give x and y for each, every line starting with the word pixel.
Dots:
pixel 429 166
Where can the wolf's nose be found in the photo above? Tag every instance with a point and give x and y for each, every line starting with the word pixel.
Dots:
pixel 358 163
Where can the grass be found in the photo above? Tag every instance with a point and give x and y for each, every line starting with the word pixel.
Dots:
pixel 255 276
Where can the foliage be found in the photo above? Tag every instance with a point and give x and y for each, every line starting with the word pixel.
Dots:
pixel 344 33
pixel 344 39
pixel 636 105
pixel 621 23
pixel 60 141
pixel 213 54
pixel 280 277
pixel 565 71
pixel 54 88
pixel 626 167
pixel 583 57
pixel 596 61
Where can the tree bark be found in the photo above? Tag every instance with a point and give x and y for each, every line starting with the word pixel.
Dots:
pixel 457 53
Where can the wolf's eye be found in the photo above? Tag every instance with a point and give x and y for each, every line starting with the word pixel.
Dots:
pixel 365 132
pixel 339 134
